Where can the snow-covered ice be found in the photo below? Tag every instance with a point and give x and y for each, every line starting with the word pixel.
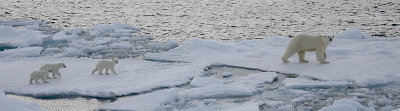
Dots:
pixel 19 37
pixel 173 76
pixel 146 102
pixel 345 105
pixel 12 104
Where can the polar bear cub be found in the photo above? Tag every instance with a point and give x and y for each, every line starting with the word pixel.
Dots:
pixel 105 64
pixel 36 75
pixel 54 68
pixel 304 42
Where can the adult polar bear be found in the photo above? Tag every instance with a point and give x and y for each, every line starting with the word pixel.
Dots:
pixel 304 42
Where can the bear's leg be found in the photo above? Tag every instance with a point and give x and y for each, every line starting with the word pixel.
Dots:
pixel 47 76
pixel 57 74
pixel 325 56
pixel 36 81
pixel 287 55
pixel 53 73
pixel 113 70
pixel 30 81
pixel 44 80
pixel 320 56
pixel 107 71
pixel 302 55
pixel 94 70
pixel 101 71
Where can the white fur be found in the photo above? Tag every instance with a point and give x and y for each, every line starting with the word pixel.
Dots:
pixel 105 64
pixel 54 68
pixel 303 43
pixel 36 75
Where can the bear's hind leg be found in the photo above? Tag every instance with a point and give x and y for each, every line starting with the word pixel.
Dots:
pixel 302 55
pixel 287 55
pixel 101 71
pixel 94 70
pixel 107 71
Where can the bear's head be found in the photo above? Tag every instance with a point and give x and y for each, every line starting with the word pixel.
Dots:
pixel 115 60
pixel 328 38
pixel 62 65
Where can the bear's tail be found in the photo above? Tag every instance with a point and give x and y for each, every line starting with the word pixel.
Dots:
pixel 94 70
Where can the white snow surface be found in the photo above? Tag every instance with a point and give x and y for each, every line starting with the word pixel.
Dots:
pixel 77 80
pixel 12 104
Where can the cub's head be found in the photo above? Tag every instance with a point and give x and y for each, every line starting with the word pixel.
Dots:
pixel 115 60
pixel 62 65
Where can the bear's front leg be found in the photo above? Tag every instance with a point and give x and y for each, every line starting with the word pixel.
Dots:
pixel 107 71
pixel 320 56
pixel 31 81
pixel 113 70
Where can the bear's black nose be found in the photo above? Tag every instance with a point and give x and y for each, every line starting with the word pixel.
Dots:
pixel 330 39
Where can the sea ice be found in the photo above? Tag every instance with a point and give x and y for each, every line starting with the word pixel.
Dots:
pixel 146 102
pixel 22 52
pixel 20 37
pixel 12 104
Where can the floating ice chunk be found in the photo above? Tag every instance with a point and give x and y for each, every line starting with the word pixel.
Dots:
pixel 307 97
pixel 76 45
pixel 247 106
pixel 113 30
pixel 251 82
pixel 121 45
pixel 214 91
pixel 72 52
pixel 22 52
pixel 345 105
pixel 95 49
pixel 136 39
pixel 209 101
pixel 204 81
pixel 76 31
pixel 170 44
pixel 397 109
pixel 352 33
pixel 296 83
pixel 227 74
pixel 62 35
pixel 20 37
pixel 102 41
pixel 146 102
pixel 11 104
